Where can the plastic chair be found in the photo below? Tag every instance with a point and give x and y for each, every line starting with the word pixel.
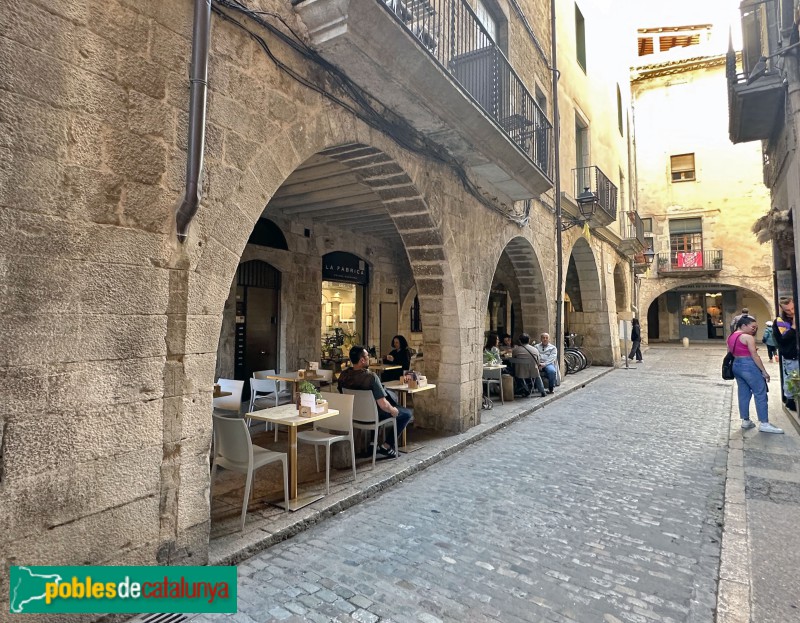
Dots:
pixel 234 450
pixel 232 403
pixel 365 417
pixel 330 431
pixel 261 388
pixel 494 377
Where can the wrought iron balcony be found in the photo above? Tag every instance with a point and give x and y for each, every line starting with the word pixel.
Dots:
pixel 453 34
pixel 434 64
pixel 682 262
pixel 592 181
pixel 632 233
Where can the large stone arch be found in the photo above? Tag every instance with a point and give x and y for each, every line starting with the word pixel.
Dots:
pixel 653 289
pixel 527 290
pixel 592 321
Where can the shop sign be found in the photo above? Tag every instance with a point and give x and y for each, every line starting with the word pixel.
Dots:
pixel 346 267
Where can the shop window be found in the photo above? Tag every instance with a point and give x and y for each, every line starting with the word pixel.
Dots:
pixel 682 168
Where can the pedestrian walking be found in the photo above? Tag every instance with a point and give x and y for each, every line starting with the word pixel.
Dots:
pixel 750 374
pixel 636 341
pixel 768 339
pixel 738 317
pixel 785 333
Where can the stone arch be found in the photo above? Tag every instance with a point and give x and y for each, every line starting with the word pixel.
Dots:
pixel 754 288
pixel 526 286
pixel 621 290
pixel 219 235
pixel 592 320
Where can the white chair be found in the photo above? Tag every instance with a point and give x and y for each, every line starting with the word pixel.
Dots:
pixel 494 377
pixel 232 403
pixel 280 394
pixel 330 431
pixel 234 450
pixel 365 417
pixel 261 389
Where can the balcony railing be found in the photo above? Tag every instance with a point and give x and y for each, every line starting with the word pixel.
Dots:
pixel 690 261
pixel 632 227
pixel 451 32
pixel 592 179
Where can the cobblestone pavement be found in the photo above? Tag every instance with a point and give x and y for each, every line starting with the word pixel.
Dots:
pixel 603 506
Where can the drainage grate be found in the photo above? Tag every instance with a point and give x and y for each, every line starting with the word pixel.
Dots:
pixel 159 618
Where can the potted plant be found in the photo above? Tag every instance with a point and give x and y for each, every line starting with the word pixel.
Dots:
pixel 306 394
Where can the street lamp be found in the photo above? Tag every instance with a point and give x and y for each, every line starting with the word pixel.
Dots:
pixel 649 254
pixel 587 203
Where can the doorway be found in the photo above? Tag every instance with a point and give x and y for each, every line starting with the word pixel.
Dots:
pixel 257 319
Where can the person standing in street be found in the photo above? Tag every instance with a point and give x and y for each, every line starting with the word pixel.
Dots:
pixel 750 374
pixel 784 330
pixel 636 341
pixel 738 317
pixel 768 339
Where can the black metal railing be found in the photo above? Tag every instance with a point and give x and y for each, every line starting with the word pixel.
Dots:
pixel 451 32
pixel 688 261
pixel 632 227
pixel 593 180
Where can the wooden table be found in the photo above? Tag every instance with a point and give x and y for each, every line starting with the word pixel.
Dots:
pixel 220 394
pixel 382 367
pixel 403 391
pixel 286 415
pixel 291 377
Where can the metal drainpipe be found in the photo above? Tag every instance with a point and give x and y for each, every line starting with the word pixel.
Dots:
pixel 557 157
pixel 198 85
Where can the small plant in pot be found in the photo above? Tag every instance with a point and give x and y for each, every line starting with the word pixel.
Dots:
pixel 307 388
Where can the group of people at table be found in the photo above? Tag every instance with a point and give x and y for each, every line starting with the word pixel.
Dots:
pixel 526 362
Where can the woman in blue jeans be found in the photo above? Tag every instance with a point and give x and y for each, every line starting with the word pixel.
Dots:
pixel 751 376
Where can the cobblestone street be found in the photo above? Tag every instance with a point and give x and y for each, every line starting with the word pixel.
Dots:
pixel 604 506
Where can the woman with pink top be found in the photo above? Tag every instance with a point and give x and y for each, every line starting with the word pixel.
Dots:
pixel 750 374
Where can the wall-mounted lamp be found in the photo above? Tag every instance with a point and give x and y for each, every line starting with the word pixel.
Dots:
pixel 587 203
pixel 649 254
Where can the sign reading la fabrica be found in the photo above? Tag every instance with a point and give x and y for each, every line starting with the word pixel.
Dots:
pixel 341 266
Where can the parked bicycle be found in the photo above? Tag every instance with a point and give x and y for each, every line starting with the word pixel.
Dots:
pixel 576 356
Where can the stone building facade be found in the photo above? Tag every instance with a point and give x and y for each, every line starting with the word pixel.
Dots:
pixel 699 195
pixel 115 330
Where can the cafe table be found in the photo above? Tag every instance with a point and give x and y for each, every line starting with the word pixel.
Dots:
pixel 218 393
pixel 291 377
pixel 403 390
pixel 287 415
pixel 382 367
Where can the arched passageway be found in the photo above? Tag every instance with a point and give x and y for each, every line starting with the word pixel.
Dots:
pixel 585 312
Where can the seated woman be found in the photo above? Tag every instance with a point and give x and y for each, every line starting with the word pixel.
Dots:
pixel 399 356
pixel 491 353
pixel 506 345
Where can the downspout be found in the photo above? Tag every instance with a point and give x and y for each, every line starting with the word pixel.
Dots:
pixel 198 89
pixel 559 336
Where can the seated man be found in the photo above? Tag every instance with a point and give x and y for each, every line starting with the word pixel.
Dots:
pixel 548 356
pixel 360 377
pixel 526 372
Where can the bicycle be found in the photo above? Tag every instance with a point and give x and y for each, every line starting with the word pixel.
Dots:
pixel 576 356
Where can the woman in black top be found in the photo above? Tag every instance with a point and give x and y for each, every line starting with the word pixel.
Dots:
pixel 400 356
pixel 636 341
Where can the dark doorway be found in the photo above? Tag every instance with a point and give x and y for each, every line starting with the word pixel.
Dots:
pixel 652 321
pixel 257 309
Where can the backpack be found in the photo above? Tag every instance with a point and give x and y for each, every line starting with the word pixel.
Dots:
pixel 767 337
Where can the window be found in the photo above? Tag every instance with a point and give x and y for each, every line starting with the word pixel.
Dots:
pixel 416 317
pixel 682 168
pixel 580 37
pixel 619 111
pixel 582 156
pixel 686 242
pixel 645 46
pixel 647 225
pixel 486 20
pixel 541 99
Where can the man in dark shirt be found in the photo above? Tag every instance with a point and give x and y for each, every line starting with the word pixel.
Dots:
pixel 359 377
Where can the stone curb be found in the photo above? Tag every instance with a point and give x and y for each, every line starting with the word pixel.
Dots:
pixel 472 436
pixel 733 597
